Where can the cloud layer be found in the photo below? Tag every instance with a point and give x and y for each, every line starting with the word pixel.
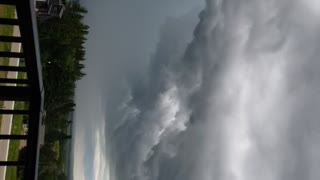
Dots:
pixel 238 102
pixel 123 34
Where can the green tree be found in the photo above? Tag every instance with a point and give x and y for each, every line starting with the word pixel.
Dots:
pixel 62 55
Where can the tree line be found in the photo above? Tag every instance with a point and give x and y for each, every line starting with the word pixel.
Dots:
pixel 62 55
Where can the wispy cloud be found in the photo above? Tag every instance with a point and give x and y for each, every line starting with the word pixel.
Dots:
pixel 89 145
pixel 99 157
pixel 90 160
pixel 78 168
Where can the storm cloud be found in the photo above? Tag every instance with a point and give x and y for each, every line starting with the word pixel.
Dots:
pixel 238 101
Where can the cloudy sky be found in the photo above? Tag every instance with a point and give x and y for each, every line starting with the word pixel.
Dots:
pixel 199 90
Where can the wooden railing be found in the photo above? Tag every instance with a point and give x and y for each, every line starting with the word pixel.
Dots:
pixel 28 89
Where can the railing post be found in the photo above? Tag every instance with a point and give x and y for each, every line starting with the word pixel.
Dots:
pixel 12 163
pixel 8 2
pixel 14 112
pixel 12 93
pixel 14 81
pixel 7 21
pixel 13 137
pixel 13 68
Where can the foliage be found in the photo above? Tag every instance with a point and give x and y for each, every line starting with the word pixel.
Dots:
pixel 62 56
pixel 20 169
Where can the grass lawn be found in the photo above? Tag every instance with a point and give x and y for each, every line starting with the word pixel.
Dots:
pixel 14 146
pixel 5 12
pixel 9 12
pixel 17 127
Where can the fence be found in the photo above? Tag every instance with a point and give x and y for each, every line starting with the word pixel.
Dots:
pixel 28 89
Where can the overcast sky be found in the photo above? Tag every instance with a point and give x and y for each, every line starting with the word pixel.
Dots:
pixel 195 90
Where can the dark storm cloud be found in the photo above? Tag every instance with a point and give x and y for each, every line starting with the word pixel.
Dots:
pixel 229 82
pixel 238 102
